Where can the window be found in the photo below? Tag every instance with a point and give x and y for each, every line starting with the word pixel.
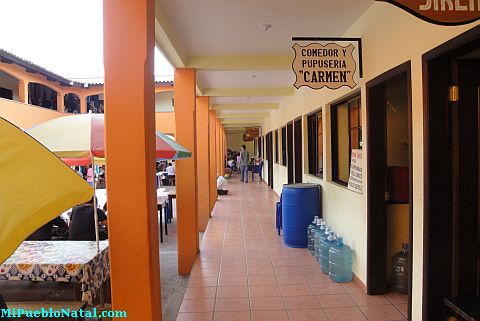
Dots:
pixel 315 144
pixel 276 146
pixel 346 135
pixel 95 104
pixel 71 103
pixel 41 95
pixel 284 146
pixel 6 93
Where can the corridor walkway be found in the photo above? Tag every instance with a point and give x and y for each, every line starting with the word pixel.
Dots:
pixel 244 272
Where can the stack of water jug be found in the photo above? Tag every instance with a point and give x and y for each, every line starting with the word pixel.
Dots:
pixel 334 256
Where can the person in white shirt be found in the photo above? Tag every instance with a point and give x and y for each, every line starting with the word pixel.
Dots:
pixel 170 170
pixel 221 186
pixel 170 179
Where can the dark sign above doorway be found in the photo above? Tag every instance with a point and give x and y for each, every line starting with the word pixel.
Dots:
pixel 441 12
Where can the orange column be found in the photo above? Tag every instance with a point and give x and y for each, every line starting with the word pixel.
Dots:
pixel 203 173
pixel 129 99
pixel 60 103
pixel 217 146
pixel 222 151
pixel 187 229
pixel 23 91
pixel 224 148
pixel 83 104
pixel 212 117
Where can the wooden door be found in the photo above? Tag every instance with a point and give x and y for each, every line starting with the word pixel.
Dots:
pixel 451 212
pixel 377 200
pixel 376 203
pixel 465 178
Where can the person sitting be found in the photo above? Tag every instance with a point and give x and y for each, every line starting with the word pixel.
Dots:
pixel 101 181
pixel 44 233
pixel 170 174
pixel 82 222
pixel 221 186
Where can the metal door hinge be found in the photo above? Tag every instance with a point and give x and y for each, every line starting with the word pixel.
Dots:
pixel 453 93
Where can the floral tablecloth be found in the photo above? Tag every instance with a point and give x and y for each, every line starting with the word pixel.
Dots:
pixel 60 261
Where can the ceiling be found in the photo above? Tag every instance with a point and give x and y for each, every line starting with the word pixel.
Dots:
pixel 245 69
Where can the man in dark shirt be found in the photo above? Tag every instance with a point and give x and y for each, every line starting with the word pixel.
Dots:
pixel 82 224
pixel 44 233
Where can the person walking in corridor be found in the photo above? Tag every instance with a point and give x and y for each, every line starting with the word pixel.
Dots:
pixel 244 156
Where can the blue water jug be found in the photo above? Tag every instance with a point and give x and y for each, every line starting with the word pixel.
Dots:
pixel 320 234
pixel 325 245
pixel 340 263
pixel 312 235
pixel 310 228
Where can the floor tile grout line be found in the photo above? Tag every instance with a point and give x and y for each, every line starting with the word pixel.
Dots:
pixel 277 250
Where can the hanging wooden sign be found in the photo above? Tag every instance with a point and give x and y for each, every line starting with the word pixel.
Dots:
pixel 317 66
pixel 442 12
pixel 252 132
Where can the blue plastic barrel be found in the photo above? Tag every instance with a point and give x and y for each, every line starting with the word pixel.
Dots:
pixel 300 203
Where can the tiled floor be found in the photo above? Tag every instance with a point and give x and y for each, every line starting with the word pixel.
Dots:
pixel 245 273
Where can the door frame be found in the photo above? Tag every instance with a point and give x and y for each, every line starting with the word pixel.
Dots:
pixel 437 210
pixel 290 153
pixel 298 150
pixel 269 154
pixel 376 184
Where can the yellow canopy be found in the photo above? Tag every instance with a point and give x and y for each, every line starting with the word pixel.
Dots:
pixel 35 187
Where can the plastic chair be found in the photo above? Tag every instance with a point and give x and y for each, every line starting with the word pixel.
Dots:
pixel 257 169
pixel 279 215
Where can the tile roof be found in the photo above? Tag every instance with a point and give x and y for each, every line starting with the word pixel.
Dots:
pixel 9 58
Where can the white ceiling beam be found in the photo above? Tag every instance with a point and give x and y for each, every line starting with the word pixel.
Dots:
pixel 248 92
pixel 167 43
pixel 241 121
pixel 238 62
pixel 237 126
pixel 243 106
pixel 246 115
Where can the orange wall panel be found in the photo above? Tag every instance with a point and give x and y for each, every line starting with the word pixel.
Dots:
pixel 212 117
pixel 165 122
pixel 24 115
pixel 186 169
pixel 203 175
pixel 129 39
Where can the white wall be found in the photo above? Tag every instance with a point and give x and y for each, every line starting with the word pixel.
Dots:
pixel 390 37
pixel 235 142
pixel 163 102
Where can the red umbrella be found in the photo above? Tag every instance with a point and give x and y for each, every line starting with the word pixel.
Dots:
pixel 77 138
